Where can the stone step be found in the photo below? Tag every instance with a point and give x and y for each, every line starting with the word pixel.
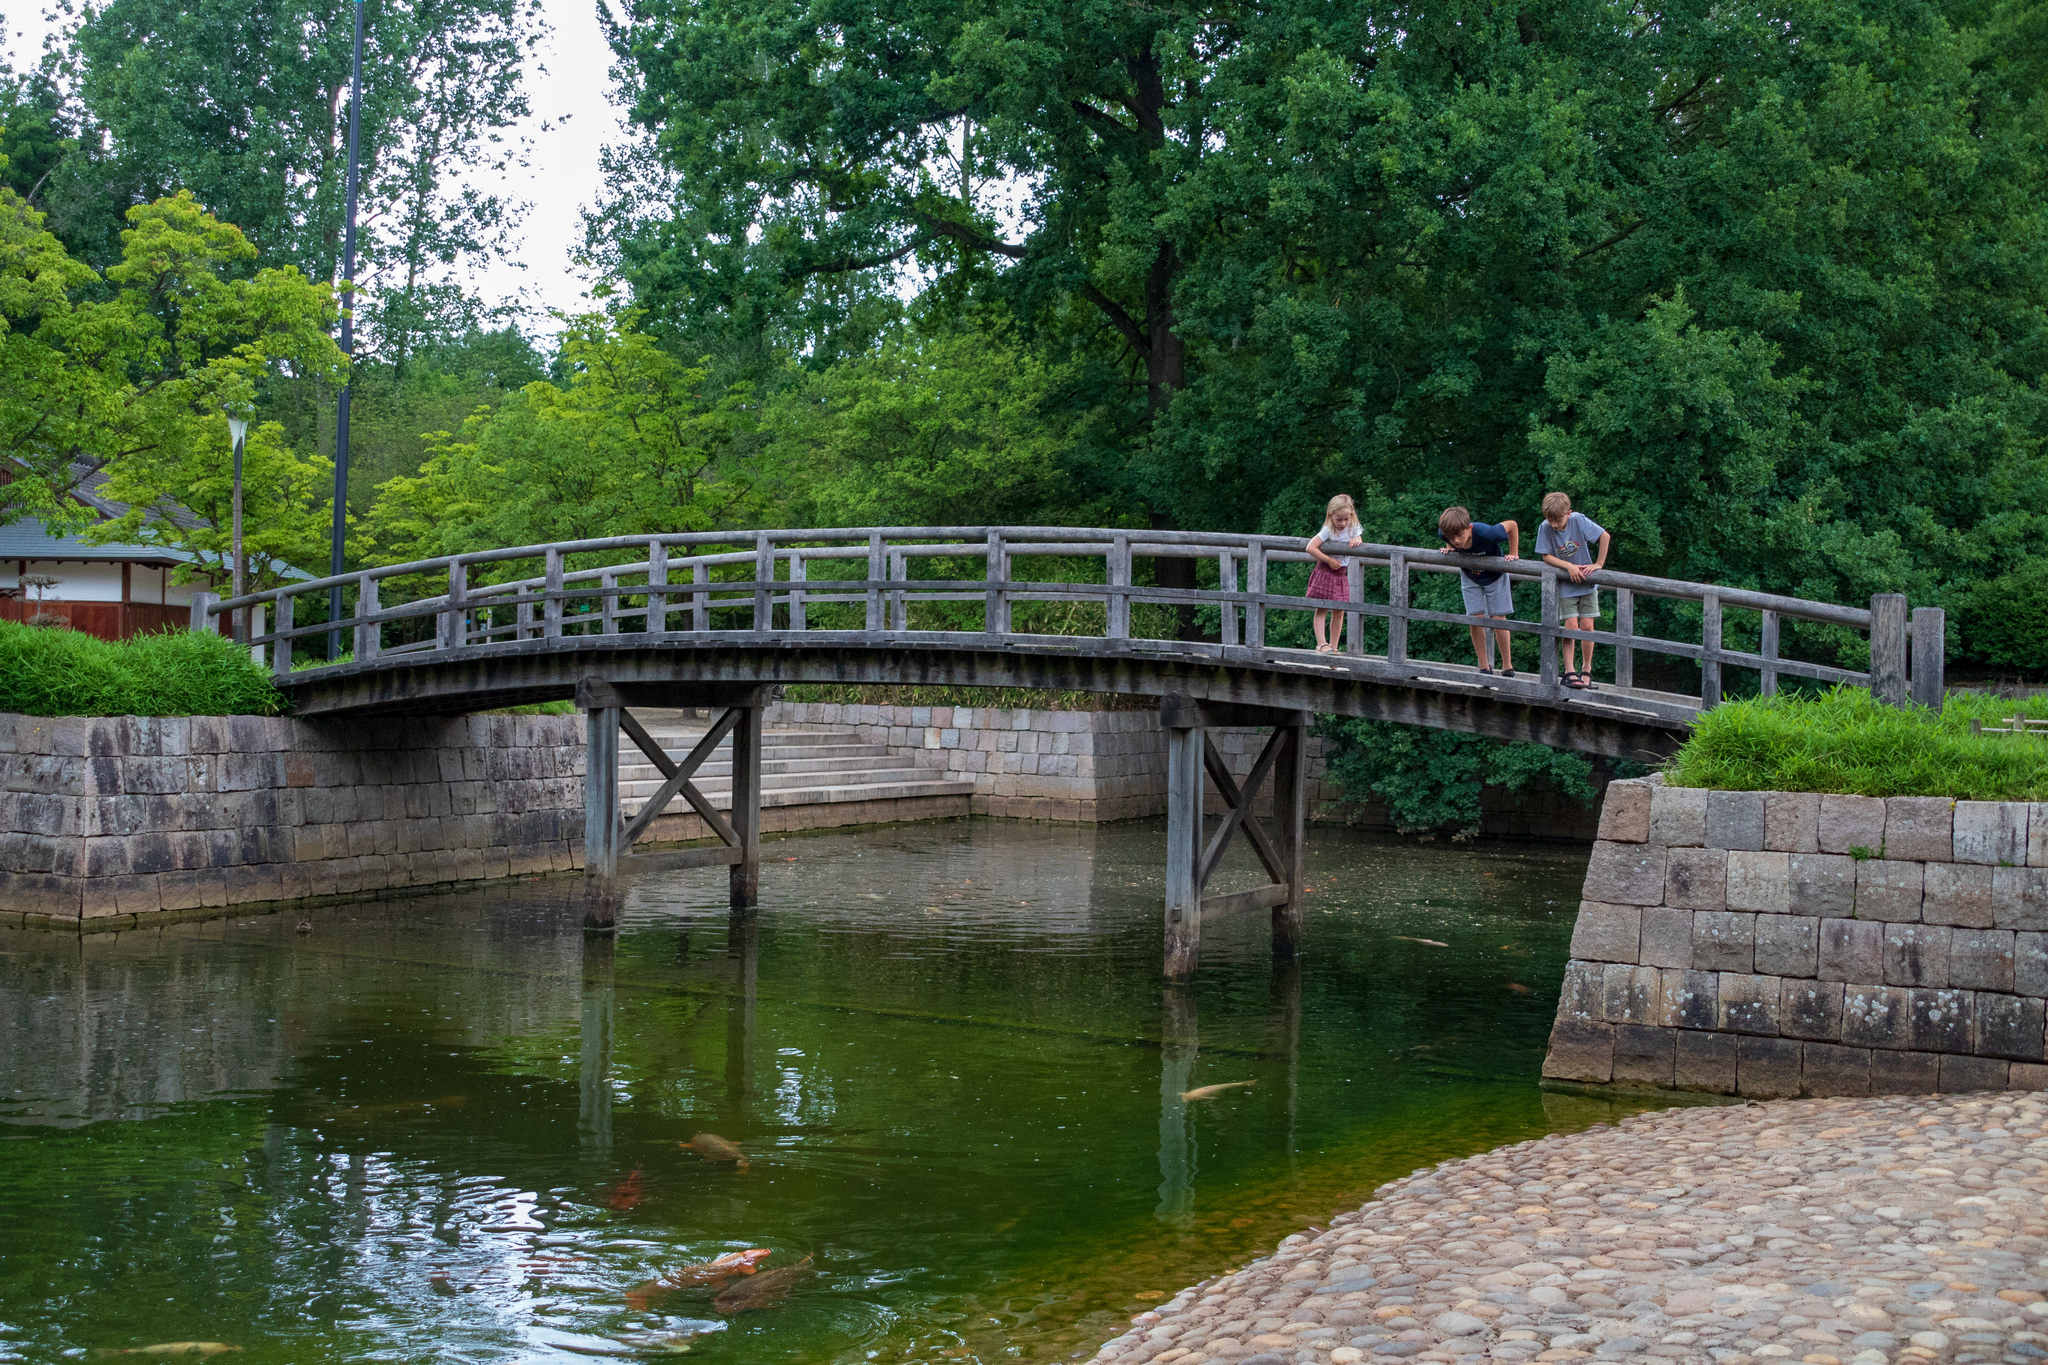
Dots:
pixel 716 771
pixel 822 795
pixel 721 785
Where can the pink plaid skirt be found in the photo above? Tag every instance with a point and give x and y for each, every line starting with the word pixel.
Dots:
pixel 1328 585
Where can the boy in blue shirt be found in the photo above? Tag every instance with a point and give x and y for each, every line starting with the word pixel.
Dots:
pixel 1568 539
pixel 1486 590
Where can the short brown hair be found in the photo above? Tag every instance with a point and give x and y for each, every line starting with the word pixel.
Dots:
pixel 1556 505
pixel 1453 522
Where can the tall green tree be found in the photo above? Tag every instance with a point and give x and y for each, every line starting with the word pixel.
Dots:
pixel 1763 287
pixel 246 105
pixel 131 368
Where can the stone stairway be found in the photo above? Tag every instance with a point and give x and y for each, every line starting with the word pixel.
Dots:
pixel 810 779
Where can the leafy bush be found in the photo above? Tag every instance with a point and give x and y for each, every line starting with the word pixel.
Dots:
pixel 1431 779
pixel 2003 621
pixel 58 672
pixel 1843 741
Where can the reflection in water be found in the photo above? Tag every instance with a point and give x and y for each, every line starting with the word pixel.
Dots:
pixel 1179 1041
pixel 451 1129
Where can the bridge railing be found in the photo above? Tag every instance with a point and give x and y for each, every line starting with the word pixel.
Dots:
pixel 763 583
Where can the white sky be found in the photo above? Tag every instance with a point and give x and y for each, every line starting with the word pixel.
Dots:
pixel 568 79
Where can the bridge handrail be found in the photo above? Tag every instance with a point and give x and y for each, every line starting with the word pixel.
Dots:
pixel 889 548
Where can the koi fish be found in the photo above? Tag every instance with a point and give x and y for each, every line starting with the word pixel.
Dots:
pixel 709 1275
pixel 1210 1092
pixel 1405 938
pixel 176 1348
pixel 1518 988
pixel 628 1193
pixel 712 1147
pixel 762 1290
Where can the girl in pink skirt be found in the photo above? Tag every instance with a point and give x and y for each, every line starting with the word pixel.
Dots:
pixel 1327 583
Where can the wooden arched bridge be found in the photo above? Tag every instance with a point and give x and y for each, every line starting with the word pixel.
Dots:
pixel 718 619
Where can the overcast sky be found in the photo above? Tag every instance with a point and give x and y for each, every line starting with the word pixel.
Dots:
pixel 563 177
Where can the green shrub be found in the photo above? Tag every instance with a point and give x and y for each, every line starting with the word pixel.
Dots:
pixel 2003 621
pixel 1431 779
pixel 51 671
pixel 1843 741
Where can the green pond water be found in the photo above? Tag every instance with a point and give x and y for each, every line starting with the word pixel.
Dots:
pixel 448 1129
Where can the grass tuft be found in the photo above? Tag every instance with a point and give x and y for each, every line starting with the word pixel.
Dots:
pixel 52 671
pixel 1845 742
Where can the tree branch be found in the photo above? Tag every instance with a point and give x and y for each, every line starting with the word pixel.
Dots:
pixel 1123 321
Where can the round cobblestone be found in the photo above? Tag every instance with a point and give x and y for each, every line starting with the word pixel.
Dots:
pixel 1883 1231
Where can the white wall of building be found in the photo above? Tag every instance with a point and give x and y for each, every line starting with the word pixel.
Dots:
pixel 90 581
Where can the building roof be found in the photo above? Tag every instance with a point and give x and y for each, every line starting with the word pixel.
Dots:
pixel 30 538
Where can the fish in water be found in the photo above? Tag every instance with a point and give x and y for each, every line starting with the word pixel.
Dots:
pixel 1430 941
pixel 764 1289
pixel 709 1275
pixel 1518 988
pixel 176 1348
pixel 712 1147
pixel 628 1193
pixel 1210 1092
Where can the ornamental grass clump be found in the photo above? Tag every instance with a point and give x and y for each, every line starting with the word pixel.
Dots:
pixel 1845 742
pixel 52 671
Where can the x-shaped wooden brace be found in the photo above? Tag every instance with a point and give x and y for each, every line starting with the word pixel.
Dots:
pixel 678 775
pixel 1240 808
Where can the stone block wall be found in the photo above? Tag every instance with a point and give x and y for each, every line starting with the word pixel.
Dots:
pixel 1111 765
pixel 105 819
pixel 1791 943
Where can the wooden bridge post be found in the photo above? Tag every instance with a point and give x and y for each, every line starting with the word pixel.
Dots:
pixel 1888 648
pixel 601 830
pixel 1397 598
pixel 1184 745
pixel 746 805
pixel 657 578
pixel 1290 827
pixel 1930 632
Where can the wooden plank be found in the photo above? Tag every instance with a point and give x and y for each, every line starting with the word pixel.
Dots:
pixel 1255 587
pixel 878 567
pixel 1710 651
pixel 672 859
pixel 1237 804
pixel 700 600
pixel 1226 579
pixel 608 604
pixel 1354 621
pixel 1888 648
pixel 1624 630
pixel 1183 851
pixel 1930 647
pixel 764 582
pixel 551 607
pixel 995 611
pixel 1116 575
pixel 799 600
pixel 1768 648
pixel 1397 602
pixel 1238 902
pixel 1236 801
pixel 678 775
pixel 1546 645
pixel 657 578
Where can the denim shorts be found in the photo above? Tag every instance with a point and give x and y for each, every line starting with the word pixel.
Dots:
pixel 1588 605
pixel 1490 599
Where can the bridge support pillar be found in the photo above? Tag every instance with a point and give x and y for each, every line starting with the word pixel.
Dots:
pixel 601 825
pixel 1192 855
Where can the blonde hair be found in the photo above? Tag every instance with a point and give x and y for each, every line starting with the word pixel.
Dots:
pixel 1342 500
pixel 1555 506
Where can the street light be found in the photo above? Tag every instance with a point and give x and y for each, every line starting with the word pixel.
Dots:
pixel 348 345
pixel 238 429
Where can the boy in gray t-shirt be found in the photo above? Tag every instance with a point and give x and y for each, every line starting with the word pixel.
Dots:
pixel 1577 544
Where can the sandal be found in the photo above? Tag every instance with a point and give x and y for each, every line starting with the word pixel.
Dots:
pixel 1578 680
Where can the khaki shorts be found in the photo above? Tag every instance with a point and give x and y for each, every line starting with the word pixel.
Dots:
pixel 1572 608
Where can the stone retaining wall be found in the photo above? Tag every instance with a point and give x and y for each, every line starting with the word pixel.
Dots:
pixel 109 819
pixel 1111 765
pixel 1790 943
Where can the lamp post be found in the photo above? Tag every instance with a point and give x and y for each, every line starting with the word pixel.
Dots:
pixel 238 428
pixel 348 343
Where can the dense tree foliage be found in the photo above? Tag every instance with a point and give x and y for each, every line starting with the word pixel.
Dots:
pixel 127 372
pixel 1763 288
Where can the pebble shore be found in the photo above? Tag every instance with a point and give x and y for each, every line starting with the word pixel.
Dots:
pixel 1887 1231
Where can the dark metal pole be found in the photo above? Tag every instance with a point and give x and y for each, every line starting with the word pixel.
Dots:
pixel 348 341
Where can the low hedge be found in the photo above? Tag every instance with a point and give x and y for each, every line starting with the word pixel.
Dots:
pixel 55 671
pixel 1845 742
